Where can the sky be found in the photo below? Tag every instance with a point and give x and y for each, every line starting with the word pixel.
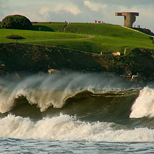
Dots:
pixel 80 10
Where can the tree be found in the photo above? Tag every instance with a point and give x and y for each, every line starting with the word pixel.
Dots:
pixel 16 22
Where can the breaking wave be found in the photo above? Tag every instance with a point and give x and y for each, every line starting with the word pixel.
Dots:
pixel 54 90
pixel 68 128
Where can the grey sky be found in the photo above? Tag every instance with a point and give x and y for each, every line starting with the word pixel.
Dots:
pixel 80 10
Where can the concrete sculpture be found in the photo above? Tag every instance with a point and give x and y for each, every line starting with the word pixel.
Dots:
pixel 129 17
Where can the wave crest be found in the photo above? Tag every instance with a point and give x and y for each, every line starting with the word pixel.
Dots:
pixel 53 90
pixel 144 104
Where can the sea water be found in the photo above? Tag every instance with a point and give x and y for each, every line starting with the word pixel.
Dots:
pixel 75 113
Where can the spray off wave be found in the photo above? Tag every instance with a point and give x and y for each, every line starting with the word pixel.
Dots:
pixel 53 90
pixel 144 104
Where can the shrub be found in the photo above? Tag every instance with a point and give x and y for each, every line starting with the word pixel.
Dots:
pixel 14 37
pixel 16 22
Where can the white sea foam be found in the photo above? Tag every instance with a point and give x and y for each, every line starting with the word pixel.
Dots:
pixel 144 104
pixel 67 128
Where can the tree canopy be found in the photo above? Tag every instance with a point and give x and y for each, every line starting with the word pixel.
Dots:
pixel 16 22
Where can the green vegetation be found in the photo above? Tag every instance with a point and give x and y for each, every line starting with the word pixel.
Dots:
pixel 107 38
pixel 102 37
pixel 112 38
pixel 16 22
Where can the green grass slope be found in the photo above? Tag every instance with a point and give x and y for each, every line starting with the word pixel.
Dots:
pixel 106 37
pixel 112 37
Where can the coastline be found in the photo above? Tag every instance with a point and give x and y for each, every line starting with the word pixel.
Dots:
pixel 137 66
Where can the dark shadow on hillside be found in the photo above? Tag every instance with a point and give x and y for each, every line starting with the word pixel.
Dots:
pixel 152 38
pixel 42 28
pixel 144 30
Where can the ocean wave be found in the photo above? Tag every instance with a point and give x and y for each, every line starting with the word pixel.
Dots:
pixel 54 90
pixel 144 104
pixel 69 128
pixel 44 99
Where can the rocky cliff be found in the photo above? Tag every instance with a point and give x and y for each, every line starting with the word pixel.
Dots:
pixel 34 58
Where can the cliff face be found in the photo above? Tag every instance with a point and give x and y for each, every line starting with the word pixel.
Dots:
pixel 34 58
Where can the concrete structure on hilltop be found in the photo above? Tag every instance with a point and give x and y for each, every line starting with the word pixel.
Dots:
pixel 129 17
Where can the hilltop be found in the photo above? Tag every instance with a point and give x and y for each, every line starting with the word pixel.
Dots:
pixel 106 37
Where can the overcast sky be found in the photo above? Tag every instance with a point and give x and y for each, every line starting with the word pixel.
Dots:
pixel 80 10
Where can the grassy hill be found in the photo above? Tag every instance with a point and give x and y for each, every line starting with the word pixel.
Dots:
pixel 112 36
pixel 106 37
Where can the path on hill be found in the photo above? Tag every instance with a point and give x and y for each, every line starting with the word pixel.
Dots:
pixel 90 36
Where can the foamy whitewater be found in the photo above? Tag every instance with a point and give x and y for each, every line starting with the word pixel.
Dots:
pixel 75 113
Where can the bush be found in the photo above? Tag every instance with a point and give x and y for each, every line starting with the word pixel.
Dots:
pixel 14 37
pixel 16 22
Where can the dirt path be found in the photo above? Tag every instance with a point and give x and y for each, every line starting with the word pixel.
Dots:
pixel 90 36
